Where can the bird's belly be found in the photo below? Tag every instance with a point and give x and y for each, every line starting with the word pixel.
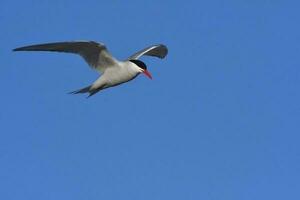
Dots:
pixel 121 76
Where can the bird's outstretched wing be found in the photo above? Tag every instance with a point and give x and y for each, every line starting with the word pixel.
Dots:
pixel 159 51
pixel 95 54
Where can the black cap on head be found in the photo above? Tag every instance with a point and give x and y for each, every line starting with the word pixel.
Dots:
pixel 139 63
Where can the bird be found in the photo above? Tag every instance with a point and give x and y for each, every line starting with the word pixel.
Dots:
pixel 112 71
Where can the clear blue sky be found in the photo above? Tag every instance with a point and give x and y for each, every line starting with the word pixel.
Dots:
pixel 220 119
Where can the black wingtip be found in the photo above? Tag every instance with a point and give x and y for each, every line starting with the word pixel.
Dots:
pixel 165 49
pixel 19 49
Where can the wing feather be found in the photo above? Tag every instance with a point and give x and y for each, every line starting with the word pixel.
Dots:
pixel 95 54
pixel 159 51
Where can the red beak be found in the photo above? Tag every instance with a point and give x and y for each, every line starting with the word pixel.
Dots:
pixel 147 73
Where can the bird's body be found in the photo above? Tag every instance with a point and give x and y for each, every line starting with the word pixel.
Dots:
pixel 114 72
pixel 121 72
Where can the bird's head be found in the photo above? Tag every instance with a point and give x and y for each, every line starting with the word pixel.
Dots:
pixel 143 67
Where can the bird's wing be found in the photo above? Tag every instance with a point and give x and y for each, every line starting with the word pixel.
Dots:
pixel 159 51
pixel 95 54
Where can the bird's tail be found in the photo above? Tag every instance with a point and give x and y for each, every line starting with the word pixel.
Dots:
pixel 82 90
pixel 87 89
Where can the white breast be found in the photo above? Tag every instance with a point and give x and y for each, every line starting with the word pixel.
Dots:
pixel 123 72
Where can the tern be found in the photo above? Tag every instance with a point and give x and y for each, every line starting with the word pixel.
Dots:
pixel 113 72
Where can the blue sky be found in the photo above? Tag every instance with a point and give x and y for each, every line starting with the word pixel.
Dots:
pixel 220 119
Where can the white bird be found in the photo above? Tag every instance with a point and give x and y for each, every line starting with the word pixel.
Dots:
pixel 114 72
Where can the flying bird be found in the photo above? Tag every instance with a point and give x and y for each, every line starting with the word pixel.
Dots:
pixel 113 72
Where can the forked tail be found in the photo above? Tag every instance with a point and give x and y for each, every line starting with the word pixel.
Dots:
pixel 83 90
pixel 86 90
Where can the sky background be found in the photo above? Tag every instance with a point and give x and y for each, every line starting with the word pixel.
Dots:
pixel 220 119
